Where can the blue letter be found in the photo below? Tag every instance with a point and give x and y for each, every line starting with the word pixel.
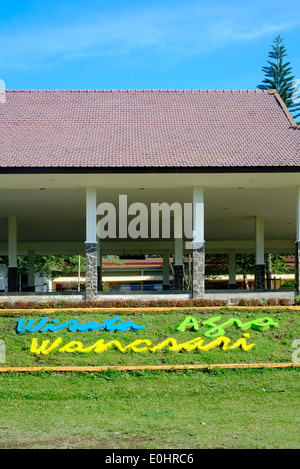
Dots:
pixel 29 325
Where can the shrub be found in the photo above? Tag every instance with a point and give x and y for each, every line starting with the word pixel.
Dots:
pixel 256 302
pixel 244 302
pixel 287 285
pixel 219 303
pixel 283 302
pixel 297 300
pixel 6 305
pixel 202 302
pixel 130 303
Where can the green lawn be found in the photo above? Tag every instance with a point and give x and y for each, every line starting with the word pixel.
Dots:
pixel 256 408
pixel 249 408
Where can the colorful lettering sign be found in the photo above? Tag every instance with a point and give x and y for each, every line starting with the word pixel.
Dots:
pixel 216 331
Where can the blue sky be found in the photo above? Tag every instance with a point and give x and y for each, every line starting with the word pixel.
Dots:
pixel 146 44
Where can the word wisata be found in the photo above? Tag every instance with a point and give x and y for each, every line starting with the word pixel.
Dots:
pixel 74 326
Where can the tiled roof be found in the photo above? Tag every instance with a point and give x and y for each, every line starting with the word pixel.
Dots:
pixel 158 128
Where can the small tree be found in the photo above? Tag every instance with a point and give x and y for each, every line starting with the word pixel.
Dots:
pixel 278 76
pixel 52 266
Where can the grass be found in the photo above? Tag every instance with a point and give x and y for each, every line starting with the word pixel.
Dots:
pixel 271 346
pixel 215 408
pixel 154 410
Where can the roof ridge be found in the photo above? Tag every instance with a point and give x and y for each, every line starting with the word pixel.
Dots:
pixel 137 91
pixel 283 106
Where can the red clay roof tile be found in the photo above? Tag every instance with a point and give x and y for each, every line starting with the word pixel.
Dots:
pixel 146 128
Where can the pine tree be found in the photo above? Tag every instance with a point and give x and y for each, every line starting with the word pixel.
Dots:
pixel 278 76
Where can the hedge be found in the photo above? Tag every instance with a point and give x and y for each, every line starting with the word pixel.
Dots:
pixel 127 303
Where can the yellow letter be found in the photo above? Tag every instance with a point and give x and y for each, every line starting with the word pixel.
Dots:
pixel 70 347
pixel 42 349
pixel 111 343
pixel 98 347
pixel 164 344
pixel 242 343
pixel 133 345
pixel 219 341
pixel 190 345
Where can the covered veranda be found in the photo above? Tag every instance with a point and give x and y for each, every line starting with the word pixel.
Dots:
pixel 233 213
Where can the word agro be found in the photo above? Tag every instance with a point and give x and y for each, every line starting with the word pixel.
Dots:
pixel 73 326
pixel 259 324
pixel 139 346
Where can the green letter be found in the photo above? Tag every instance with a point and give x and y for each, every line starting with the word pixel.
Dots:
pixel 260 324
pixel 189 323
pixel 211 323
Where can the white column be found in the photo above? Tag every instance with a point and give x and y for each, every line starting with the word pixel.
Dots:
pixel 31 270
pixel 12 242
pixel 79 272
pixel 91 215
pixel 198 214
pixel 178 260
pixel 259 240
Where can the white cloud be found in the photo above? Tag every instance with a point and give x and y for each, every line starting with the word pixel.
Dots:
pixel 185 30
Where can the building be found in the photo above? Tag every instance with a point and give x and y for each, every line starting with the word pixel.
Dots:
pixel 231 157
pixel 148 275
pixel 122 276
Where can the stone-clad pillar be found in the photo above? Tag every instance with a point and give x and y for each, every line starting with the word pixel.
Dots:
pixel 297 253
pixel 91 244
pixel 198 270
pixel 12 270
pixel 198 243
pixel 99 267
pixel 91 270
pixel 259 253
